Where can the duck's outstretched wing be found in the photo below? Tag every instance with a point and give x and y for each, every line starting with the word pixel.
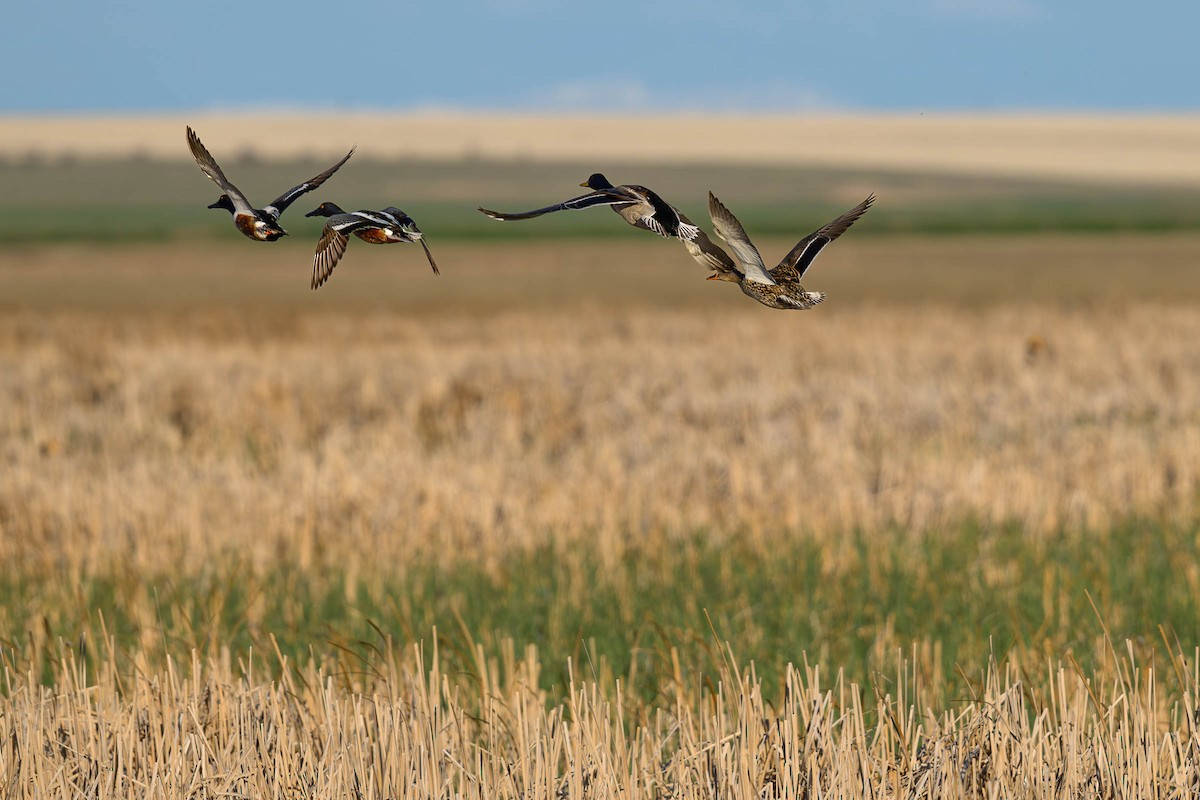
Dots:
pixel 604 197
pixel 807 249
pixel 429 256
pixel 663 219
pixel 208 165
pixel 280 204
pixel 802 301
pixel 728 228
pixel 408 226
pixel 330 248
pixel 708 253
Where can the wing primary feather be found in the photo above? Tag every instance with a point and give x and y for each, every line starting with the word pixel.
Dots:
pixel 208 165
pixel 652 224
pixel 709 254
pixel 669 221
pixel 429 256
pixel 280 204
pixel 730 229
pixel 330 248
pixel 807 249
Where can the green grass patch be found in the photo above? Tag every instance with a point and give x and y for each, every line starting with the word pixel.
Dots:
pixel 959 596
pixel 147 200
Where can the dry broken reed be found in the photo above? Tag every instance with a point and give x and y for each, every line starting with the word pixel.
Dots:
pixel 404 729
pixel 366 441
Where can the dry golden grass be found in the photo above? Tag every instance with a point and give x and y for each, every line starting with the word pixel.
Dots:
pixel 1123 149
pixel 563 413
pixel 161 408
pixel 210 730
pixel 469 436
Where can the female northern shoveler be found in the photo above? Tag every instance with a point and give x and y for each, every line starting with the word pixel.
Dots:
pixel 779 288
pixel 260 224
pixel 637 205
pixel 388 226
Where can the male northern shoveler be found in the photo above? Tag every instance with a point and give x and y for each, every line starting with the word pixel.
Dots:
pixel 637 205
pixel 779 288
pixel 260 224
pixel 388 226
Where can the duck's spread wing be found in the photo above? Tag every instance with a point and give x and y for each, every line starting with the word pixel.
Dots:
pixel 810 246
pixel 603 197
pixel 429 255
pixel 348 223
pixel 664 219
pixel 793 297
pixel 208 165
pixel 728 228
pixel 707 253
pixel 280 204
pixel 330 248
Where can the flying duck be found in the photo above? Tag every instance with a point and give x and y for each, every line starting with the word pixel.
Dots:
pixel 260 224
pixel 637 205
pixel 780 287
pixel 388 226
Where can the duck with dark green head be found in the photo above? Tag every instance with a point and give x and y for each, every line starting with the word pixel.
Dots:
pixel 637 205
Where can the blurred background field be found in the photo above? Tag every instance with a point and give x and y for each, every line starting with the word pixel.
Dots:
pixel 128 179
pixel 983 447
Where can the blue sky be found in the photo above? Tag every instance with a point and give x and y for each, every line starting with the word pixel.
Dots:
pixel 899 55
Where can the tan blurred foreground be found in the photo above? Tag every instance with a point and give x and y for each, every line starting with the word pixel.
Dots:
pixel 1117 149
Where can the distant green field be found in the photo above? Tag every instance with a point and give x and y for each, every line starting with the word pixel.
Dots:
pixel 148 200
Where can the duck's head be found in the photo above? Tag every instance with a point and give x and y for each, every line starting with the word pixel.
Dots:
pixel 223 202
pixel 724 275
pixel 325 210
pixel 597 181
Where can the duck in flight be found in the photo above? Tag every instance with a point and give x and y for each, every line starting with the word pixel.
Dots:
pixel 260 224
pixel 780 287
pixel 637 205
pixel 388 226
